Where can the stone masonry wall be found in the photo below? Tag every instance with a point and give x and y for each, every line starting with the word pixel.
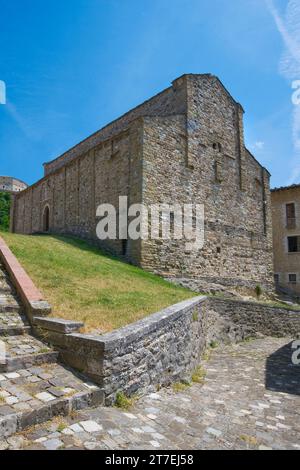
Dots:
pixel 163 348
pixel 73 193
pixel 170 101
pixel 227 179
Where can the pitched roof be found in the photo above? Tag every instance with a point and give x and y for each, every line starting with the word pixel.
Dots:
pixel 286 188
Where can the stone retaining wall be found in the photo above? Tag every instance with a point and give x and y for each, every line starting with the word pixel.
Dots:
pixel 156 351
pixel 163 348
pixel 257 317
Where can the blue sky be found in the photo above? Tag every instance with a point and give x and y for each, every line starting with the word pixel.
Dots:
pixel 71 66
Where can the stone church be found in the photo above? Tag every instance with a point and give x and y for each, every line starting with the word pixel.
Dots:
pixel 184 145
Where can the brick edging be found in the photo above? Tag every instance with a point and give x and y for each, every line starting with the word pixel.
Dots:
pixel 32 298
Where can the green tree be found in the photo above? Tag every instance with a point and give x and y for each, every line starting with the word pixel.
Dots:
pixel 4 211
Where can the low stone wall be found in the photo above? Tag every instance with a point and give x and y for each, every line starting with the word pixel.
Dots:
pixel 256 317
pixel 163 348
pixel 157 350
pixel 228 287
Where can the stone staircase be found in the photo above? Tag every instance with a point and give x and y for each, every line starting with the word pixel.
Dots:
pixel 34 386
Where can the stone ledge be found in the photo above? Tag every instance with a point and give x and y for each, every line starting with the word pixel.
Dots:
pixel 32 298
pixel 12 423
pixel 254 303
pixel 258 317
pixel 148 325
pixel 57 324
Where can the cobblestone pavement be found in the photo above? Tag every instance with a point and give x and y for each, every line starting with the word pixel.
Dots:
pixel 250 400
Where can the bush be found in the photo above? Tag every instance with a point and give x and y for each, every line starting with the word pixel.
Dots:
pixel 4 211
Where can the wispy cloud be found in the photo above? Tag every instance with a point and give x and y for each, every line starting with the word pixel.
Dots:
pixel 28 131
pixel 259 145
pixel 289 66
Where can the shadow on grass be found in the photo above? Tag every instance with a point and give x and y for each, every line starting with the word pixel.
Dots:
pixel 96 248
pixel 84 245
pixel 281 374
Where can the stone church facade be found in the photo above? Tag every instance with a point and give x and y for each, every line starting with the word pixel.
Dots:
pixel 184 145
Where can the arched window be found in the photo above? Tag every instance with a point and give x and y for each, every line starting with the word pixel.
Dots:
pixel 46 219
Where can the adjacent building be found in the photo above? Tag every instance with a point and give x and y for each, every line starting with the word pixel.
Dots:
pixel 11 185
pixel 184 145
pixel 286 237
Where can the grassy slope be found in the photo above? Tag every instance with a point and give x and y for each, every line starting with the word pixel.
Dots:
pixel 81 283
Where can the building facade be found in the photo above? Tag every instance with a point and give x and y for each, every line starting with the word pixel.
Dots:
pixel 286 237
pixel 184 145
pixel 11 185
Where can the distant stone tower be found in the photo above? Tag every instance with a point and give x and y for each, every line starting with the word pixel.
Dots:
pixel 11 185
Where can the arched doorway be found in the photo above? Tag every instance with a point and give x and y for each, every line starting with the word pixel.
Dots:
pixel 46 219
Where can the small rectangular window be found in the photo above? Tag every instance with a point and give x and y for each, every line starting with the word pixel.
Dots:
pixel 276 278
pixel 290 215
pixel 293 278
pixel 294 244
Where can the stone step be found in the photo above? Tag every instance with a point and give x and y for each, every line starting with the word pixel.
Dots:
pixel 4 278
pixel 9 304
pixel 24 351
pixel 3 274
pixel 13 323
pixel 5 288
pixel 37 394
pixel 14 330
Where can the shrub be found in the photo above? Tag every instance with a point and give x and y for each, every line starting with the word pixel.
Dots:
pixel 123 402
pixel 199 375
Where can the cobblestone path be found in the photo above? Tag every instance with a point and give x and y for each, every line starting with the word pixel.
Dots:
pixel 250 400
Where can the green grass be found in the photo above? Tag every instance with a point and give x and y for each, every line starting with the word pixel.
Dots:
pixel 199 374
pixel 180 386
pixel 123 402
pixel 81 283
